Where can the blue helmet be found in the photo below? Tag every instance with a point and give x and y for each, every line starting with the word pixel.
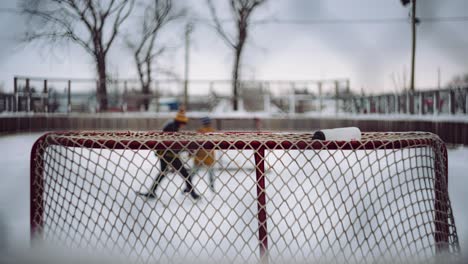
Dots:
pixel 206 120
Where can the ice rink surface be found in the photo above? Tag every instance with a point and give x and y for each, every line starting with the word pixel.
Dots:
pixel 14 200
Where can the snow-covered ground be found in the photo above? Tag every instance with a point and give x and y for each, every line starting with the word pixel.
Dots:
pixel 14 199
pixel 458 189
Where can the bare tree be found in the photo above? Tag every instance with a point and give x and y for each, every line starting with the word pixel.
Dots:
pixel 156 15
pixel 459 81
pixel 242 11
pixel 92 24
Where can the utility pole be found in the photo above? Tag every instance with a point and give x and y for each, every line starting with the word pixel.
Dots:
pixel 188 30
pixel 413 51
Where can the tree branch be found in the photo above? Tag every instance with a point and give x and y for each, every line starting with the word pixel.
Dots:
pixel 68 32
pixel 82 13
pixel 219 28
pixel 155 17
pixel 118 22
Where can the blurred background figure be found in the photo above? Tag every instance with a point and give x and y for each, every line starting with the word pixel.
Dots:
pixel 205 158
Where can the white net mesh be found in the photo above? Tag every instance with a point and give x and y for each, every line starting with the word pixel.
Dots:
pixel 270 197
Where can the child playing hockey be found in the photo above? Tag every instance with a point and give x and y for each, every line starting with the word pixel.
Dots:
pixel 171 158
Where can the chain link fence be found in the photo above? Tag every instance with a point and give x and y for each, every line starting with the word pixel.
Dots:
pixel 61 95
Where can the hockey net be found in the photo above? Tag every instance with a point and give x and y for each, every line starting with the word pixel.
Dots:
pixel 277 197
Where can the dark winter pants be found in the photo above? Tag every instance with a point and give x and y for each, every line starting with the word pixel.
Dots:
pixel 176 163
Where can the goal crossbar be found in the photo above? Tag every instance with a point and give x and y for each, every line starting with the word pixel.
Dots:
pixel 237 140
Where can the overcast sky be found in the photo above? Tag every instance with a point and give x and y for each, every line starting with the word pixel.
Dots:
pixel 369 54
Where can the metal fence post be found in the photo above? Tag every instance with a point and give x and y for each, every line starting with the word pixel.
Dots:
pixel 452 102
pixel 376 100
pixel 124 98
pixel 387 105
pixel 407 110
pixel 354 104
pixel 397 103
pixel 363 105
pixel 368 104
pixel 381 104
pixel 15 94
pixel 69 97
pixel 320 96
pixel 45 98
pixel 466 101
pixel 28 100
pixel 421 103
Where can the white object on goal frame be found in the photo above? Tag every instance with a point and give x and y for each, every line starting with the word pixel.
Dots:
pixel 339 134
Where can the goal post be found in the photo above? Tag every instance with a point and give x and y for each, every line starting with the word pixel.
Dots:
pixel 385 196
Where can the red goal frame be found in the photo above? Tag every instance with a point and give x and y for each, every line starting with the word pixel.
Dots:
pixel 237 140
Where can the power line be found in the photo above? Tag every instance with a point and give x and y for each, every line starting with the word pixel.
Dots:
pixel 330 21
pixel 357 21
pixel 288 21
pixel 360 21
pixel 444 19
